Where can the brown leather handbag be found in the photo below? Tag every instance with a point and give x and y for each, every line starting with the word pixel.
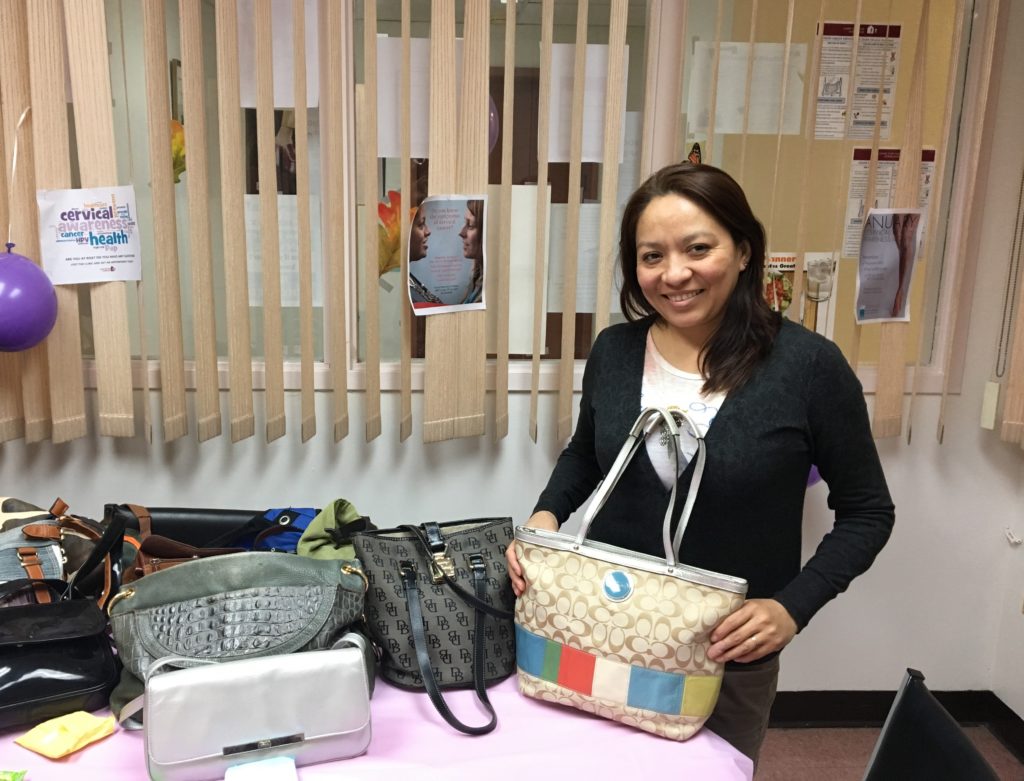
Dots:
pixel 157 552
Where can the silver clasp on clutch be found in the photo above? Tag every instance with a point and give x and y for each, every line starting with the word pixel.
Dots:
pixel 263 744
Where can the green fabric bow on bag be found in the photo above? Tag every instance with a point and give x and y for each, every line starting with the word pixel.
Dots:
pixel 329 534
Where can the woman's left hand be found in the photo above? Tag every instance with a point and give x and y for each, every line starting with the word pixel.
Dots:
pixel 760 627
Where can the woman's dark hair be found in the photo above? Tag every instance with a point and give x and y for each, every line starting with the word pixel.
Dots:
pixel 476 208
pixel 748 328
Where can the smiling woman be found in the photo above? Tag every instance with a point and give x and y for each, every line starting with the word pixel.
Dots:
pixel 766 394
pixel 692 252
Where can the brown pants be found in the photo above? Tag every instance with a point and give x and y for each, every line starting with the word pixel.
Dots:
pixel 741 714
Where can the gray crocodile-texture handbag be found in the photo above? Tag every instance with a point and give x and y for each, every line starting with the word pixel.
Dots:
pixel 230 607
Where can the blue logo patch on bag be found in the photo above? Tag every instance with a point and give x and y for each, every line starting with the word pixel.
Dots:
pixel 617 585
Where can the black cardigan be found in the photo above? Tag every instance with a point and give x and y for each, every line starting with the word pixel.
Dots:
pixel 803 406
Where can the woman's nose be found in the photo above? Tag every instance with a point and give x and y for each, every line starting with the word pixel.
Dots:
pixel 677 269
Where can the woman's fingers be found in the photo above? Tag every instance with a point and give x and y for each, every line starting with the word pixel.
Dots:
pixel 760 627
pixel 539 520
pixel 515 571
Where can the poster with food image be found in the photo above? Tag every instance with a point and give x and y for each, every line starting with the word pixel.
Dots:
pixel 778 280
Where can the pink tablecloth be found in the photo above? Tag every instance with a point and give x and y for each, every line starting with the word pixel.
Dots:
pixel 533 740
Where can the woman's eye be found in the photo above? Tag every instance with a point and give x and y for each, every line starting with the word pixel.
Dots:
pixel 700 249
pixel 650 257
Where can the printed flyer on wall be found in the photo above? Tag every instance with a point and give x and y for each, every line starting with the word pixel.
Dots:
pixel 446 254
pixel 89 235
pixel 886 167
pixel 877 70
pixel 885 268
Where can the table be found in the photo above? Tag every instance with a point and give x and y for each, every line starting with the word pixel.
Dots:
pixel 533 740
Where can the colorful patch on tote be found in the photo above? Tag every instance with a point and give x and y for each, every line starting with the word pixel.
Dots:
pixel 675 694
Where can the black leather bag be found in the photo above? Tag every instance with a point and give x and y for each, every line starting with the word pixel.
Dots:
pixel 439 604
pixel 55 657
pixel 192 525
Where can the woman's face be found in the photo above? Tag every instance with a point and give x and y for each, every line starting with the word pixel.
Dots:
pixel 470 234
pixel 418 235
pixel 687 265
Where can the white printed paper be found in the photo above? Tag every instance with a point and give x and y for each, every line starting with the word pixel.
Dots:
pixel 629 169
pixel 522 267
pixel 288 236
pixel 885 179
pixel 586 258
pixel 282 31
pixel 389 96
pixel 878 48
pixel 765 88
pixel 89 235
pixel 594 97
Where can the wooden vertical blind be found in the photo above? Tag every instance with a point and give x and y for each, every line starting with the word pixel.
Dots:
pixel 203 243
pixel 14 94
pixel 86 34
pixel 304 227
pixel 208 416
pixel 232 202
pixel 165 243
pixel 570 254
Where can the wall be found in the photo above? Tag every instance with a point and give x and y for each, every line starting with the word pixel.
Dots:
pixel 945 595
pixel 1003 196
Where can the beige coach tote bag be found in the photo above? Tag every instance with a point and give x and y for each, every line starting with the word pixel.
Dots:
pixel 617 633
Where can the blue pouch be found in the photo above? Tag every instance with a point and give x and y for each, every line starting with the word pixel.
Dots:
pixel 278 529
pixel 283 535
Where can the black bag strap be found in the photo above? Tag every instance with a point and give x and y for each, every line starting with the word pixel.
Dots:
pixel 113 537
pixel 58 588
pixel 260 539
pixel 478 568
pixel 253 526
pixel 435 547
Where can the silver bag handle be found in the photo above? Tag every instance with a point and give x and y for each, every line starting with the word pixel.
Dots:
pixel 633 441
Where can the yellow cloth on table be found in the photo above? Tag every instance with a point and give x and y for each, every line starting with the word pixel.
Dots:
pixel 66 734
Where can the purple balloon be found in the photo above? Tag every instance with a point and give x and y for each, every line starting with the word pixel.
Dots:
pixel 492 125
pixel 28 302
pixel 813 476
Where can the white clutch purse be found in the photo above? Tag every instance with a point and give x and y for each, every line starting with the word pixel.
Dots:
pixel 313 706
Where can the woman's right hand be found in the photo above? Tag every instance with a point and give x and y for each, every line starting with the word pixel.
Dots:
pixel 539 520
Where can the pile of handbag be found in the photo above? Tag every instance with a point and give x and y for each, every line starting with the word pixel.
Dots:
pixel 211 618
pixel 214 623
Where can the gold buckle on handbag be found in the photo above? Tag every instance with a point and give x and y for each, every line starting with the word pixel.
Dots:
pixel 350 570
pixel 441 566
pixel 125 593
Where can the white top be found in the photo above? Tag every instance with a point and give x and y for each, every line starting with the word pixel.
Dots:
pixel 666 386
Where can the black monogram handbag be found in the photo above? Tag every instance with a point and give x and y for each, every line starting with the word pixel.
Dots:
pixel 439 604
